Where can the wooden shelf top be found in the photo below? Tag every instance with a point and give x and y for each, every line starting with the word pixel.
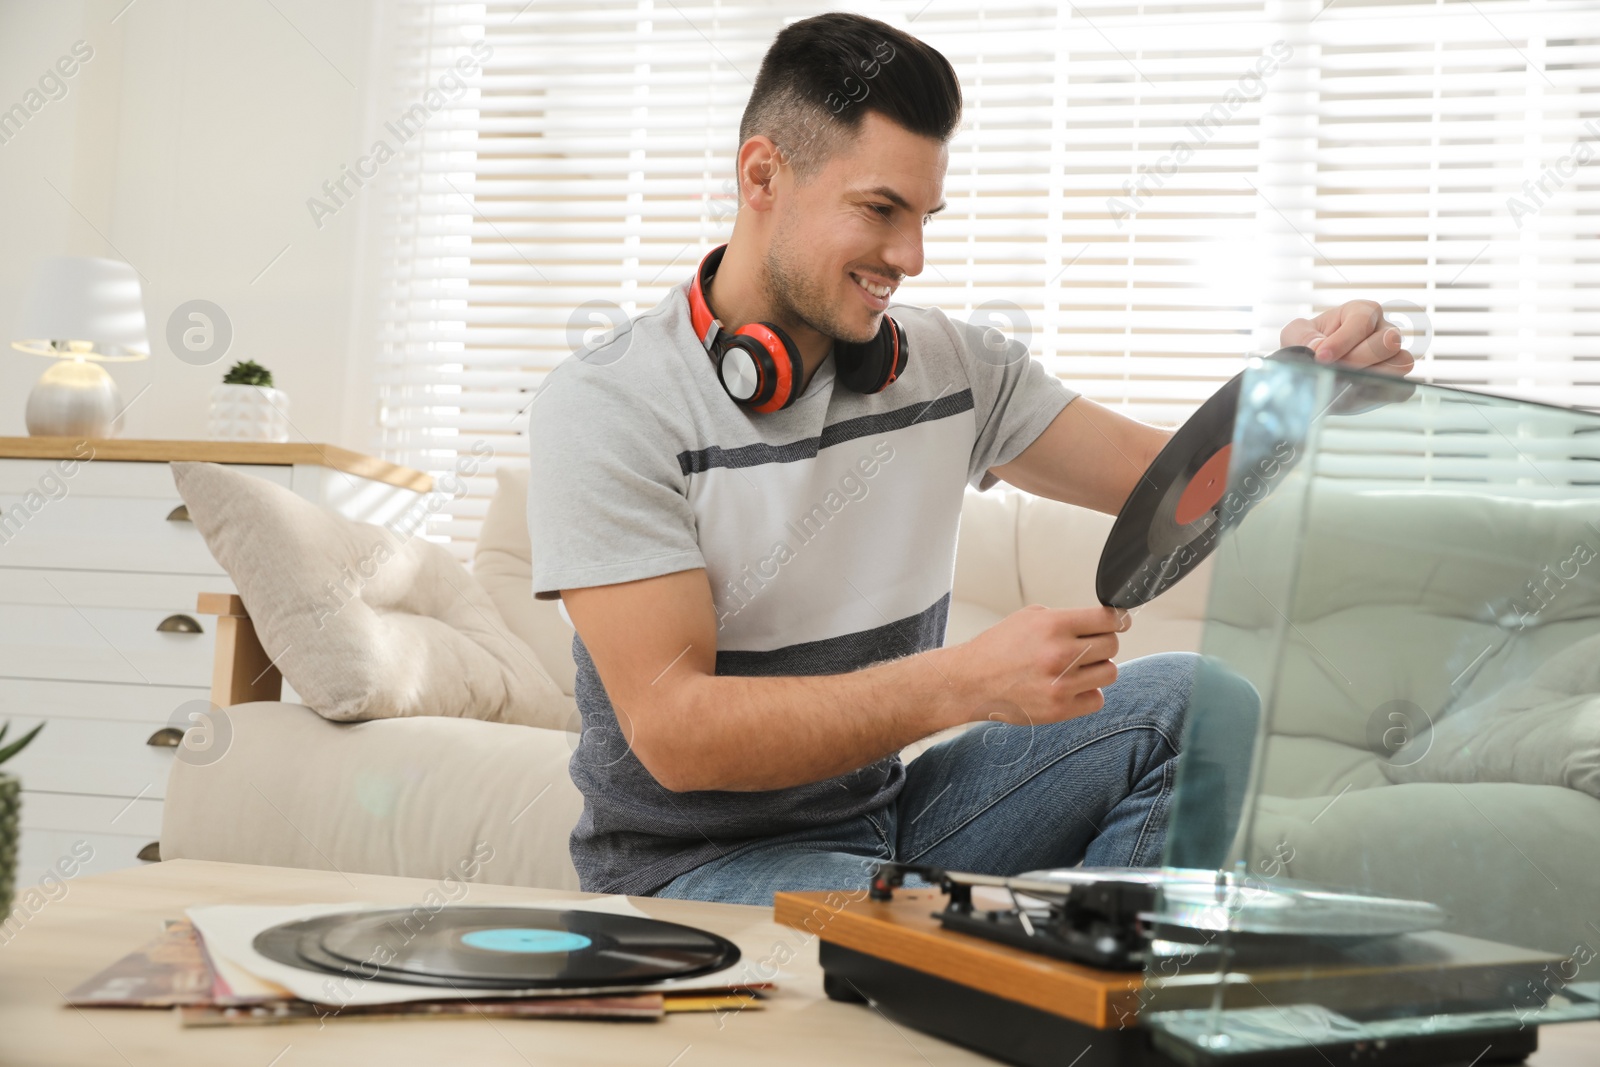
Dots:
pixel 268 453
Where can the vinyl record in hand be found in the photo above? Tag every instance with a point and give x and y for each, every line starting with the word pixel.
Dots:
pixel 1170 522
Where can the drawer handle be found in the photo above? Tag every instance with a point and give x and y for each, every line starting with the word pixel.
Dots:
pixel 178 624
pixel 166 737
pixel 151 853
pixel 179 514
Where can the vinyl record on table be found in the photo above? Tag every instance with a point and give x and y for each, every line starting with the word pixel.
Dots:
pixel 1170 522
pixel 299 944
pixel 280 943
pixel 498 947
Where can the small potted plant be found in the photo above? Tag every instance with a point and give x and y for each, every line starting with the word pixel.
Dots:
pixel 10 810
pixel 245 407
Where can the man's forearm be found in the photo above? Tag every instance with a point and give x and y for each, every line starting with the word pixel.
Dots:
pixel 1089 455
pixel 742 733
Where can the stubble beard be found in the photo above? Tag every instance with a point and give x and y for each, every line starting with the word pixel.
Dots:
pixel 799 298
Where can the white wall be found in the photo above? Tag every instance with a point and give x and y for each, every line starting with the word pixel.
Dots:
pixel 187 146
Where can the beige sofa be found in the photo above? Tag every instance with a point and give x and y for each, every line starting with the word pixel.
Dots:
pixel 414 796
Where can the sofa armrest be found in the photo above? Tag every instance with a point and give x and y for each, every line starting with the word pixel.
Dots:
pixel 241 671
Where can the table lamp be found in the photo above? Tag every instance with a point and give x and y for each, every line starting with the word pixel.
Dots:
pixel 81 312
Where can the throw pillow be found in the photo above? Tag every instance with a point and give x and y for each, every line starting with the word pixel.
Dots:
pixel 364 622
pixel 502 562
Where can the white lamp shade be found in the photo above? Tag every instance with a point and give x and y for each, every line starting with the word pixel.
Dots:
pixel 96 303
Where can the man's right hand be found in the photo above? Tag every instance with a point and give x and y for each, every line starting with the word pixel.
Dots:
pixel 1041 665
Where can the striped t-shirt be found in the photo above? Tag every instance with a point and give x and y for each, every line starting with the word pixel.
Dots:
pixel 827 530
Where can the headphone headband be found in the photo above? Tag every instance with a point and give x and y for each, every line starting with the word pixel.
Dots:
pixel 706 325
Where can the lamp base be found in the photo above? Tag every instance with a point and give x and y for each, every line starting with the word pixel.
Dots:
pixel 74 398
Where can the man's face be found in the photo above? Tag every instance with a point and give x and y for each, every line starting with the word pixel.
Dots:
pixel 859 217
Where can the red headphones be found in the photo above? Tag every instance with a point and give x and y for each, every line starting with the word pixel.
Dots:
pixel 760 368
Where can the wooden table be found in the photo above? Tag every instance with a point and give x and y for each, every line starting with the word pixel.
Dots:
pixel 105 916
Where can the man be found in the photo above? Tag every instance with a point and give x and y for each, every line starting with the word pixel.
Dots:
pixel 753 532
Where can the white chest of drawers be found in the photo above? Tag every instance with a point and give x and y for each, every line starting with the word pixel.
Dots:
pixel 99 572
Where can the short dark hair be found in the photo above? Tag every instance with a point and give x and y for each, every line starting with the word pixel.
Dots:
pixel 823 74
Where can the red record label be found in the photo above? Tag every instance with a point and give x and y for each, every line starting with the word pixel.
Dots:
pixel 1205 489
pixel 1171 520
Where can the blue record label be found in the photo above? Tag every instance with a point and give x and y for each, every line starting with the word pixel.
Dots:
pixel 525 939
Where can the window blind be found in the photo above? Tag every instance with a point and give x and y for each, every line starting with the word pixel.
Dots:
pixel 1143 192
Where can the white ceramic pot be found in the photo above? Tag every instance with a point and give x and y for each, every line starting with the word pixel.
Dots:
pixel 248 413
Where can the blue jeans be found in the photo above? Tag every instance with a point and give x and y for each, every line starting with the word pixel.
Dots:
pixel 1003 799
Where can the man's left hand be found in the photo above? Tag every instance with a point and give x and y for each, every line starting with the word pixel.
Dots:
pixel 1352 335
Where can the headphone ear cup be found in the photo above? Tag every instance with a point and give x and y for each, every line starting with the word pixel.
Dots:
pixel 871 367
pixel 784 359
pixel 782 370
pixel 743 368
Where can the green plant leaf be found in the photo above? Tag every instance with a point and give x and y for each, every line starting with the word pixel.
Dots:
pixel 248 372
pixel 19 744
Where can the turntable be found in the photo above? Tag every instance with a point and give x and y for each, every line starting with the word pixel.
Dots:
pixel 1070 967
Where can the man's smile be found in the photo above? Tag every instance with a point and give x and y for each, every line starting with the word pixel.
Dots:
pixel 874 289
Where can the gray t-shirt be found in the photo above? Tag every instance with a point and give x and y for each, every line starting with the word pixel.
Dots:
pixel 827 531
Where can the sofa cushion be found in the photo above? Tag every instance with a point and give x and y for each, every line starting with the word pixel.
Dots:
pixel 364 623
pixel 967 620
pixel 1438 552
pixel 1544 730
pixel 411 797
pixel 1316 767
pixel 986 554
pixel 503 564
pixel 1058 555
pixel 1510 863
